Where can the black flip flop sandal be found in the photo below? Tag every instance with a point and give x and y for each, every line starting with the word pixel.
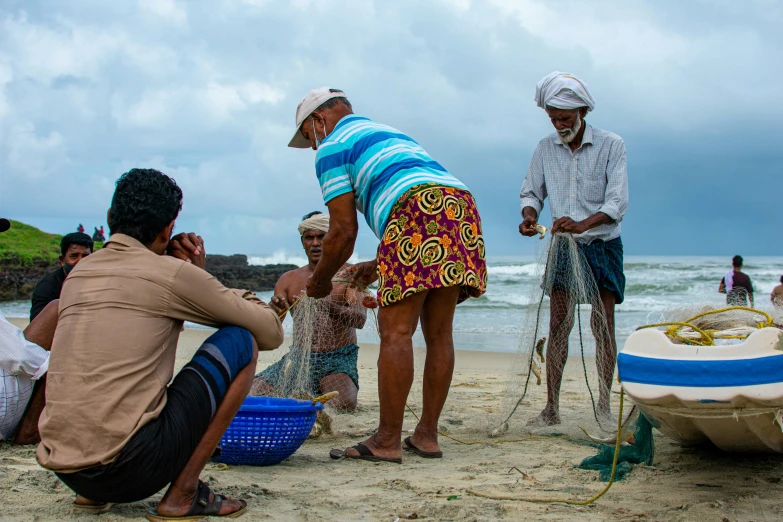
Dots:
pixel 364 454
pixel 201 508
pixel 421 453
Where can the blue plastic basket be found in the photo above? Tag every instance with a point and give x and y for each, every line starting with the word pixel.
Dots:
pixel 267 430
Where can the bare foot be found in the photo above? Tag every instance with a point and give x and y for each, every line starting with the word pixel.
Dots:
pixel 548 417
pixel 177 504
pixel 81 501
pixel 425 441
pixel 394 452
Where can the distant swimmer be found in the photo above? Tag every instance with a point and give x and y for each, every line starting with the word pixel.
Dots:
pixel 777 295
pixel 583 171
pixel 736 285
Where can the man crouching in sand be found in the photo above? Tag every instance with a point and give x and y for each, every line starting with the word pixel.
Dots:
pixel 113 428
pixel 334 352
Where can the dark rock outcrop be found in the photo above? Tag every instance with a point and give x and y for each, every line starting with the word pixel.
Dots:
pixel 18 280
pixel 234 272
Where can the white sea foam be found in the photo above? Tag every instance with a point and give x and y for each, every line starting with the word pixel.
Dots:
pixel 282 257
pixel 519 270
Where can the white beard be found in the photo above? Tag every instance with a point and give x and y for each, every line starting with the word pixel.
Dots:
pixel 568 135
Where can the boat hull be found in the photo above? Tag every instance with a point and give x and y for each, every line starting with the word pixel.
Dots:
pixel 731 396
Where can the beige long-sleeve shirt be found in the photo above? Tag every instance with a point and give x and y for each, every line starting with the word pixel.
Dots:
pixel 121 312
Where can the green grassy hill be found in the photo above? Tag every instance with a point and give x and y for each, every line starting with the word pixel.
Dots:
pixel 27 244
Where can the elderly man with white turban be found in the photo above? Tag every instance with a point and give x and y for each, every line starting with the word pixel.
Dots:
pixel 583 171
pixel 334 352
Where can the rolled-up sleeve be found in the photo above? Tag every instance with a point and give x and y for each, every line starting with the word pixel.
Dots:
pixel 18 356
pixel 533 191
pixel 200 298
pixel 616 198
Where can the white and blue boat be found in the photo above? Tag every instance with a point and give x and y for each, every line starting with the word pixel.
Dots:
pixel 731 395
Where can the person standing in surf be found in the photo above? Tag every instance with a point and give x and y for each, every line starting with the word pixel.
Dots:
pixel 582 169
pixel 431 255
pixel 736 285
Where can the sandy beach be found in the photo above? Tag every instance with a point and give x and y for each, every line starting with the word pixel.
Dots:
pixel 683 484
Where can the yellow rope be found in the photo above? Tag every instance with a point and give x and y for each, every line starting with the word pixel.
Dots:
pixel 674 327
pixel 282 314
pixel 769 322
pixel 565 500
pixel 707 335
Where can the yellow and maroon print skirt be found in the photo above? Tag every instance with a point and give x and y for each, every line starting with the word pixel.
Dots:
pixel 432 240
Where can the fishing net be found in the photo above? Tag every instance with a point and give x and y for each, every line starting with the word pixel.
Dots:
pixel 566 350
pixel 322 357
pixel 638 447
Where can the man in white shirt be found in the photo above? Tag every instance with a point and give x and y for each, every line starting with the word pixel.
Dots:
pixel 582 170
pixel 24 360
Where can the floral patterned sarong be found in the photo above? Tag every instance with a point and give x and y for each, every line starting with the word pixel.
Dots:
pixel 432 240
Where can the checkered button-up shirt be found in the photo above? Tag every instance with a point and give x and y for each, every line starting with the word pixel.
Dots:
pixel 593 178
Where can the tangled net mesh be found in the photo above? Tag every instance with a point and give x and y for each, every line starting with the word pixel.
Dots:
pixel 321 356
pixel 564 333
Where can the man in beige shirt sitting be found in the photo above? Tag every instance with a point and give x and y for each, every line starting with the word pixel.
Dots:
pixel 113 428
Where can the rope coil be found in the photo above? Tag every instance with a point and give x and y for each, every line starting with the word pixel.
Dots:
pixel 708 336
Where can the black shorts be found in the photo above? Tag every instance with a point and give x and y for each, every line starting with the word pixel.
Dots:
pixel 157 453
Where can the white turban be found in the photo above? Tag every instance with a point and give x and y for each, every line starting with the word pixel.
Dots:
pixel 563 91
pixel 315 222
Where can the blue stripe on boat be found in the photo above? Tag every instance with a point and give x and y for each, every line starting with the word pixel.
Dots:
pixel 700 374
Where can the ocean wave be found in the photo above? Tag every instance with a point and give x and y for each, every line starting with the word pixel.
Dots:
pixel 531 269
pixel 278 258
pixel 282 257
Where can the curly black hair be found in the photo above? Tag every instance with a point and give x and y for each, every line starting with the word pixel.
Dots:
pixel 75 238
pixel 144 203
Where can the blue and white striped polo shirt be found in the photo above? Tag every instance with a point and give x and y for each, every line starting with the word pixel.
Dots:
pixel 378 164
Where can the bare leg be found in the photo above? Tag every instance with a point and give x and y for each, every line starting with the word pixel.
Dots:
pixel 437 319
pixel 606 350
pixel 342 383
pixel 41 332
pixel 397 324
pixel 180 495
pixel 561 321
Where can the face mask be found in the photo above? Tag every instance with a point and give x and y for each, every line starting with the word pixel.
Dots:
pixel 315 135
pixel 67 268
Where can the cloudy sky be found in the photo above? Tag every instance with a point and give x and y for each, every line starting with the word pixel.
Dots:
pixel 206 92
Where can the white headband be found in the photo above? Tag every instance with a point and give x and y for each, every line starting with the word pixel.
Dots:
pixel 316 222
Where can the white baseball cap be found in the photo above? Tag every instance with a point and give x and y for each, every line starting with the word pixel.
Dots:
pixel 309 103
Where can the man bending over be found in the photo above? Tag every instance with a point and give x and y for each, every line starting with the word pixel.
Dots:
pixel 115 428
pixel 334 351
